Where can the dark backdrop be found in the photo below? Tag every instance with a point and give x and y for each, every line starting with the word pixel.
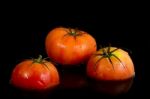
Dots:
pixel 23 34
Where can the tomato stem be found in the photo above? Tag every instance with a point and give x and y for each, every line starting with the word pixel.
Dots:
pixel 73 32
pixel 108 54
pixel 39 59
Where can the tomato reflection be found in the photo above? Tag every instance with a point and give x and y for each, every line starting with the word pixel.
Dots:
pixel 111 87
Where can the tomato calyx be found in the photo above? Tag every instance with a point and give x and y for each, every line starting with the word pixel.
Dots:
pixel 40 60
pixel 107 54
pixel 74 32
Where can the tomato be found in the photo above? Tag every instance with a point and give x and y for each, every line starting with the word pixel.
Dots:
pixel 35 74
pixel 110 63
pixel 69 46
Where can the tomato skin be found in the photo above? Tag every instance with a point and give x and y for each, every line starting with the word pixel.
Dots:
pixel 68 49
pixel 34 76
pixel 104 70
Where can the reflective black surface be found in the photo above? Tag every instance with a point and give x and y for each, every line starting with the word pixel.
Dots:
pixel 75 83
pixel 24 36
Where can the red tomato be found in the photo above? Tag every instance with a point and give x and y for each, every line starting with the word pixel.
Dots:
pixel 35 74
pixel 110 63
pixel 69 46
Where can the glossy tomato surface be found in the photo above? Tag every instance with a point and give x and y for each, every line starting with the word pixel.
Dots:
pixel 69 46
pixel 110 63
pixel 35 75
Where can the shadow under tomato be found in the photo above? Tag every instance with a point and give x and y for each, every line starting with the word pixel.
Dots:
pixel 29 93
pixel 111 87
pixel 72 80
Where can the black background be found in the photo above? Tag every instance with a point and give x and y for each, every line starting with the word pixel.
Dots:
pixel 23 33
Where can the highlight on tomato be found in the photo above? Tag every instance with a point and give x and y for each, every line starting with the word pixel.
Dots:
pixel 68 46
pixel 35 74
pixel 110 63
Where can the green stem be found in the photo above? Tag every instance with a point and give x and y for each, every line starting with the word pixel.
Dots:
pixel 72 32
pixel 108 54
pixel 39 59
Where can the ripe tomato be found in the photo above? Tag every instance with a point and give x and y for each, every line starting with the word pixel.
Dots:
pixel 69 46
pixel 35 74
pixel 110 63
